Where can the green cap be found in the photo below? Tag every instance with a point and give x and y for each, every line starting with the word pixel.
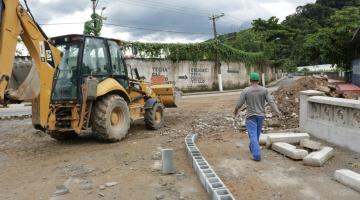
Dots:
pixel 254 76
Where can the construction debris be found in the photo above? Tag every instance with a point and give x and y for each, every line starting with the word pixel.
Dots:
pixel 61 190
pixel 318 158
pixel 288 99
pixel 289 150
pixel 348 178
pixel 292 138
pixel 309 144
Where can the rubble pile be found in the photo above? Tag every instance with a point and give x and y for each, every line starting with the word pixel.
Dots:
pixel 288 98
pixel 216 122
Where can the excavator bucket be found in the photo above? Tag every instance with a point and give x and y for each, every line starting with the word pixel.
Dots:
pixel 24 81
pixel 167 94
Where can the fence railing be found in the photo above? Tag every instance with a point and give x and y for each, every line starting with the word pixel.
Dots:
pixel 335 120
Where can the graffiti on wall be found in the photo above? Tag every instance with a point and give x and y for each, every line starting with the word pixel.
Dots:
pixel 198 75
pixel 160 72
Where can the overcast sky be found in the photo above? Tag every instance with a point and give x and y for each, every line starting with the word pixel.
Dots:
pixel 142 20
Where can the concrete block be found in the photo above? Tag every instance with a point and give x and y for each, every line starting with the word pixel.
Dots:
pixel 309 144
pixel 167 161
pixel 213 185
pixel 291 138
pixel 348 178
pixel 221 194
pixel 318 158
pixel 289 150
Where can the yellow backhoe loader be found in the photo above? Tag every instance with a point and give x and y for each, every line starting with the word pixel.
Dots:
pixel 79 84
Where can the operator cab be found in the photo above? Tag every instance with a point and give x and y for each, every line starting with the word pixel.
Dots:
pixel 85 56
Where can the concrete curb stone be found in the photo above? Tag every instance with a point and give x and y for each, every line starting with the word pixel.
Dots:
pixel 213 185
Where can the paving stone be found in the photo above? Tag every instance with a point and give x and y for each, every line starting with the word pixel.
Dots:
pixel 310 144
pixel 318 158
pixel 291 138
pixel 289 150
pixel 348 178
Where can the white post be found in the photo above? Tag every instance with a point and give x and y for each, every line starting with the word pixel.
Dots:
pixel 263 80
pixel 220 83
pixel 168 161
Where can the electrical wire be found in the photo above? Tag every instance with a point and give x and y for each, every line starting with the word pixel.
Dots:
pixel 130 27
pixel 152 6
pixel 173 6
pixel 157 30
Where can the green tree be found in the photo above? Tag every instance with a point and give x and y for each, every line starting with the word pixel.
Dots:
pixel 338 4
pixel 334 44
pixel 94 26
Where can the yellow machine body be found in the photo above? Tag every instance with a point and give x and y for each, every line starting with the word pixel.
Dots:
pixel 18 22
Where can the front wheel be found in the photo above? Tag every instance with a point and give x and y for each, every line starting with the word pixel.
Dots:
pixel 154 117
pixel 111 118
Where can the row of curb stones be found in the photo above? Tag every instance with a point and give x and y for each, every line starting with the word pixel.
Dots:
pixel 15 117
pixel 213 185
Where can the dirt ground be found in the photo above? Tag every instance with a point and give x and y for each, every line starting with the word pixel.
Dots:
pixel 32 164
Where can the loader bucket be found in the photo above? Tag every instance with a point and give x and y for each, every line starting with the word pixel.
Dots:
pixel 167 94
pixel 24 82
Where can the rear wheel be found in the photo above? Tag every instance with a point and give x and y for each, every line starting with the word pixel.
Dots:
pixel 154 117
pixel 111 118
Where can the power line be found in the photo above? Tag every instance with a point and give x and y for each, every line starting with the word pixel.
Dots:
pixel 153 6
pixel 157 30
pixel 130 27
pixel 163 25
pixel 61 23
pixel 166 4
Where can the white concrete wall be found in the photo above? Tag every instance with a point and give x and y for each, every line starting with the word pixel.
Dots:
pixel 332 119
pixel 199 76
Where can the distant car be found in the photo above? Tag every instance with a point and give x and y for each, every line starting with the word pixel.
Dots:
pixel 290 75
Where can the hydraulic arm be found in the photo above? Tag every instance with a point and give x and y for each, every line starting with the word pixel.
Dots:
pixel 18 22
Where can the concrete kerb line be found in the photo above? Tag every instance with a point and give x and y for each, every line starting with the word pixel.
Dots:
pixel 15 117
pixel 211 182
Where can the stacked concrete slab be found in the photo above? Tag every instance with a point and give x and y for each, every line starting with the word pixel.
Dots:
pixel 213 185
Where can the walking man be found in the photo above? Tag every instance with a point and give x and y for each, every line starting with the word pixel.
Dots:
pixel 255 97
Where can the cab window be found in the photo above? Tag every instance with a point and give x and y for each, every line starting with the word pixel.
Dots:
pixel 117 64
pixel 95 59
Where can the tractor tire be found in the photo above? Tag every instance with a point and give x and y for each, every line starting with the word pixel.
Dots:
pixel 63 136
pixel 154 117
pixel 110 118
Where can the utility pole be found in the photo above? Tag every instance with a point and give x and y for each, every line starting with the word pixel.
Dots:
pixel 214 18
pixel 94 12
